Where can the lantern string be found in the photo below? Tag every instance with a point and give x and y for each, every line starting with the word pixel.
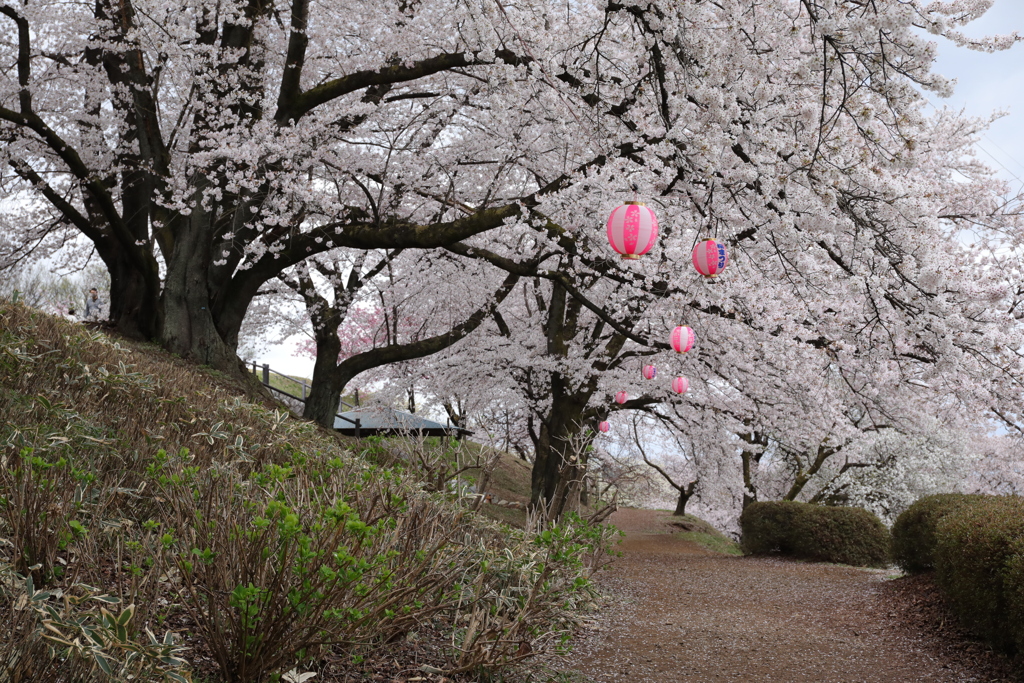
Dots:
pixel 700 229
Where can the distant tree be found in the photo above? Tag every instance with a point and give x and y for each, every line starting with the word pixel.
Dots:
pixel 685 483
pixel 365 322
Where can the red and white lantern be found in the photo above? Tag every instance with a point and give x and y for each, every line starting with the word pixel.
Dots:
pixel 680 385
pixel 603 426
pixel 632 230
pixel 682 339
pixel 621 397
pixel 650 372
pixel 710 258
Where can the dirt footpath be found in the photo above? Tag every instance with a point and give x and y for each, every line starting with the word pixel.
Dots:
pixel 681 613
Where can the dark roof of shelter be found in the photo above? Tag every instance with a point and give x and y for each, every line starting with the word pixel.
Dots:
pixel 388 421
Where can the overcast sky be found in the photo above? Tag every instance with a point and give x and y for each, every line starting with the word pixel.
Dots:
pixel 988 82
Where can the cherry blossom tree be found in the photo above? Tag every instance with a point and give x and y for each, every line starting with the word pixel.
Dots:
pixel 897 469
pixel 206 150
pixel 406 319
pixel 998 467
pixel 798 137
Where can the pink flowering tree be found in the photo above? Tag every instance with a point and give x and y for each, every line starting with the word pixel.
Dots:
pixel 385 315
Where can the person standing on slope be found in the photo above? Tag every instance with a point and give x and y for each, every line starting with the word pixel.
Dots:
pixel 93 305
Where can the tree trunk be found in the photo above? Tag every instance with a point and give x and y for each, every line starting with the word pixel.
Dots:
pixel 681 504
pixel 135 311
pixel 750 459
pixel 749 496
pixel 135 307
pixel 188 326
pixel 325 392
pixel 561 445
pixel 561 438
pixel 685 493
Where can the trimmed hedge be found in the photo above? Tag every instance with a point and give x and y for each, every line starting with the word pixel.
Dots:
pixel 913 534
pixel 767 528
pixel 820 533
pixel 976 545
pixel 1013 598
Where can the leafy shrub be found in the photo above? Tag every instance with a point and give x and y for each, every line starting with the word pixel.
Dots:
pixel 129 471
pixel 530 596
pixel 851 536
pixel 333 551
pixel 38 504
pixel 292 556
pixel 913 534
pixel 73 636
pixel 978 566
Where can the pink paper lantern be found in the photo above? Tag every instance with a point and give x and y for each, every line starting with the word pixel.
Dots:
pixel 682 339
pixel 650 372
pixel 603 426
pixel 680 385
pixel 621 397
pixel 632 230
pixel 710 258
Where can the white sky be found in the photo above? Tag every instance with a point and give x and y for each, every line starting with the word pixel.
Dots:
pixel 986 82
pixel 989 82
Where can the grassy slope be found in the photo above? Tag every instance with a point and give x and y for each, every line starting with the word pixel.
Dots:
pixel 511 481
pixel 700 532
pixel 291 384
pixel 127 455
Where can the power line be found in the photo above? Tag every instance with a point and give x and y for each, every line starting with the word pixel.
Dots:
pixel 1008 155
pixel 1001 165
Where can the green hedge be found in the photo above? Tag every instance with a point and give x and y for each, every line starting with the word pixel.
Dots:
pixel 766 528
pixel 1013 599
pixel 976 545
pixel 913 534
pixel 815 532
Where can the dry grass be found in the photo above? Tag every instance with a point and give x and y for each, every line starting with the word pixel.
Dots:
pixel 510 482
pixel 149 504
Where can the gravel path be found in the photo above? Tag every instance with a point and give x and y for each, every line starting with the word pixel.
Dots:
pixel 681 613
